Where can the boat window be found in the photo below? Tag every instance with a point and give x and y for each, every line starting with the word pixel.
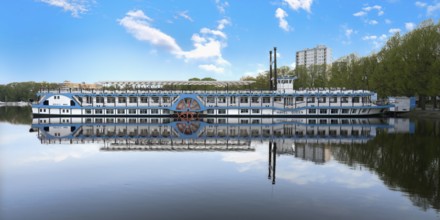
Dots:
pixel 46 102
pixel 355 100
pixel 266 99
pixel 222 120
pixel 323 111
pixel 310 99
pixel 244 99
pixel 133 99
pixel 110 99
pixel 132 111
pixel 210 99
pixel 88 111
pixel 144 99
pixel 121 111
pixel 354 111
pixel 256 111
pixel 344 99
pixel 221 99
pixel 222 111
pixel 109 111
pixel 334 111
pixel 277 99
pixel 299 99
pixel 122 99
pixel 72 103
pixel 98 111
pixel 154 111
pixel 155 99
pixel 345 111
pixel 333 99
pixel 255 99
pixel 166 99
pixel 321 99
pixel 244 111
pixel 364 110
pixel 210 111
pixel 312 111
pixel 143 111
pixel 99 99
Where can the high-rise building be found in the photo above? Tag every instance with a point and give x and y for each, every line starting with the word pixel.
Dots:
pixel 314 56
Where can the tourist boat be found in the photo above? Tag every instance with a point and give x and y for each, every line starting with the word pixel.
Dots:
pixel 159 99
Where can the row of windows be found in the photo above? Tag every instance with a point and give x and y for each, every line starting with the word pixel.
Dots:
pixel 336 111
pixel 100 99
pixel 125 111
pixel 242 111
pixel 126 120
pixel 334 99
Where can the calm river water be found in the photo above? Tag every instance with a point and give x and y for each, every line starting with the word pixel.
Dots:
pixel 154 168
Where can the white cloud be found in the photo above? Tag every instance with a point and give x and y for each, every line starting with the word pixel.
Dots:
pixel 410 26
pixel 394 30
pixel 184 15
pixel 421 4
pixel 383 37
pixel 367 9
pixel 208 43
pixel 360 14
pixel 432 8
pixel 348 33
pixel 388 21
pixel 75 7
pixel 137 24
pixel 369 37
pixel 300 4
pixel 212 68
pixel 372 22
pixel 213 32
pixel 221 6
pixel 283 24
pixel 222 23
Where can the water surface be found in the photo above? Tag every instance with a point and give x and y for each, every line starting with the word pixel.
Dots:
pixel 373 169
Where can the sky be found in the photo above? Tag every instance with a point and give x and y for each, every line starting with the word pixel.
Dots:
pixel 139 40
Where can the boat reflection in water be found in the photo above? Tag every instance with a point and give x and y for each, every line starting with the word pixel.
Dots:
pixel 306 138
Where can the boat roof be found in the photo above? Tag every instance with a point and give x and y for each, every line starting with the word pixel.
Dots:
pixel 175 83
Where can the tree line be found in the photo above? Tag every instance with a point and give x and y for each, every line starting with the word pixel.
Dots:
pixel 407 65
pixel 23 91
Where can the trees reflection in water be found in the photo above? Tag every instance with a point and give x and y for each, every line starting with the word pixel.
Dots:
pixel 407 162
pixel 16 115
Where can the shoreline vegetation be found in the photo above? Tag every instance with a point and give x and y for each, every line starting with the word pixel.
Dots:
pixel 407 65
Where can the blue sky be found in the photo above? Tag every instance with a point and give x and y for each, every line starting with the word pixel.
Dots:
pixel 97 40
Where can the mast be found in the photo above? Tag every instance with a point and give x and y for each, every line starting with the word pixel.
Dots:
pixel 270 71
pixel 275 87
